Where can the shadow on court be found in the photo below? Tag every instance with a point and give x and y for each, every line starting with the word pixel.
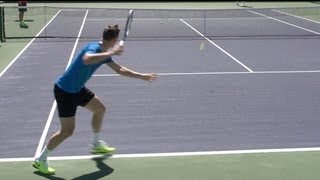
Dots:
pixel 103 170
pixel 26 20
pixel 51 177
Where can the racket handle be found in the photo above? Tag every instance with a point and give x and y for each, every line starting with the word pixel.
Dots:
pixel 121 43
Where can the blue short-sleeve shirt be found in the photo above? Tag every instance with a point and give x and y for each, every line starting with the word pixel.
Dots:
pixel 78 73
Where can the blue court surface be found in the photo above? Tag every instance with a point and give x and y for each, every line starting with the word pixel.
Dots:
pixel 254 86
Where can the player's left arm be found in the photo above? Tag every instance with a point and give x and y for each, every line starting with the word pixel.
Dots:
pixel 130 73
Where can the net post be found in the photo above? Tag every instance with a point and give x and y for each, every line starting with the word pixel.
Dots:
pixel 2 30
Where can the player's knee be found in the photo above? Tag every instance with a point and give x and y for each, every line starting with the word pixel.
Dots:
pixel 101 110
pixel 66 133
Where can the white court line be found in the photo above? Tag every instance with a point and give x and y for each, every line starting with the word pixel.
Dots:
pixel 217 46
pixel 54 105
pixel 219 73
pixel 299 17
pixel 65 9
pixel 173 154
pixel 162 18
pixel 284 22
pixel 22 51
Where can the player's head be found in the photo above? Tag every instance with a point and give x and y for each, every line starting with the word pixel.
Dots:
pixel 111 33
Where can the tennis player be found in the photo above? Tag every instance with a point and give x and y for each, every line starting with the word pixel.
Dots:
pixel 22 6
pixel 70 92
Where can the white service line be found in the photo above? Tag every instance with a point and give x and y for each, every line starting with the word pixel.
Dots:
pixel 54 105
pixel 221 49
pixel 173 154
pixel 15 59
pixel 284 22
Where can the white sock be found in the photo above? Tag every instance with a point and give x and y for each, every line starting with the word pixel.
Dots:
pixel 96 138
pixel 44 154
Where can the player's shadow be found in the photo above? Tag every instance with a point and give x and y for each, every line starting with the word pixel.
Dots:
pixel 51 177
pixel 26 20
pixel 103 170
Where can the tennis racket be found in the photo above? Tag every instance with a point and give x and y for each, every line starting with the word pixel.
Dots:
pixel 127 28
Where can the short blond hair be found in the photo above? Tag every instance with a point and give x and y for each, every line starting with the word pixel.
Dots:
pixel 111 32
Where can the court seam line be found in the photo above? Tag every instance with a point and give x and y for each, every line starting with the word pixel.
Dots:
pixel 217 46
pixel 299 17
pixel 284 22
pixel 27 46
pixel 170 154
pixel 219 73
pixel 54 105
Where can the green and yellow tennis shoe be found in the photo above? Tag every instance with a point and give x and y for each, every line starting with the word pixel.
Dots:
pixel 23 25
pixel 102 148
pixel 43 167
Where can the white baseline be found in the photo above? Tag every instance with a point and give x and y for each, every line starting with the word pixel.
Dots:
pixel 173 154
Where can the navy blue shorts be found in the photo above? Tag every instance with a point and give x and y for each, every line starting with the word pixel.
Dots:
pixel 68 102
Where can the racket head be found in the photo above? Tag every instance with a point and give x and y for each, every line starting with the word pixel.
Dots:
pixel 130 18
pixel 128 25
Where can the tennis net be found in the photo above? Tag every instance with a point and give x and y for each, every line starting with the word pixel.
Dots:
pixel 152 24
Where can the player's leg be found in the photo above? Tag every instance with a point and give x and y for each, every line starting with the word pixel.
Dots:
pixel 67 109
pixel 98 109
pixel 21 19
pixel 67 128
pixel 21 15
pixel 22 9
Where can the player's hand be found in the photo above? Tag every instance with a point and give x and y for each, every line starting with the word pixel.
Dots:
pixel 149 77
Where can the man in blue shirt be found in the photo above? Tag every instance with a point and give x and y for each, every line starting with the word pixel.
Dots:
pixel 70 92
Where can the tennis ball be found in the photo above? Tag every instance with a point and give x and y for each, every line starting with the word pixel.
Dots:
pixel 202 46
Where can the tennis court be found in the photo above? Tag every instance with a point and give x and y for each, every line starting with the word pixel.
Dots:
pixel 245 107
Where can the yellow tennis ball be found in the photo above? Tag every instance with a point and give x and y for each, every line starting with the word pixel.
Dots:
pixel 202 46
